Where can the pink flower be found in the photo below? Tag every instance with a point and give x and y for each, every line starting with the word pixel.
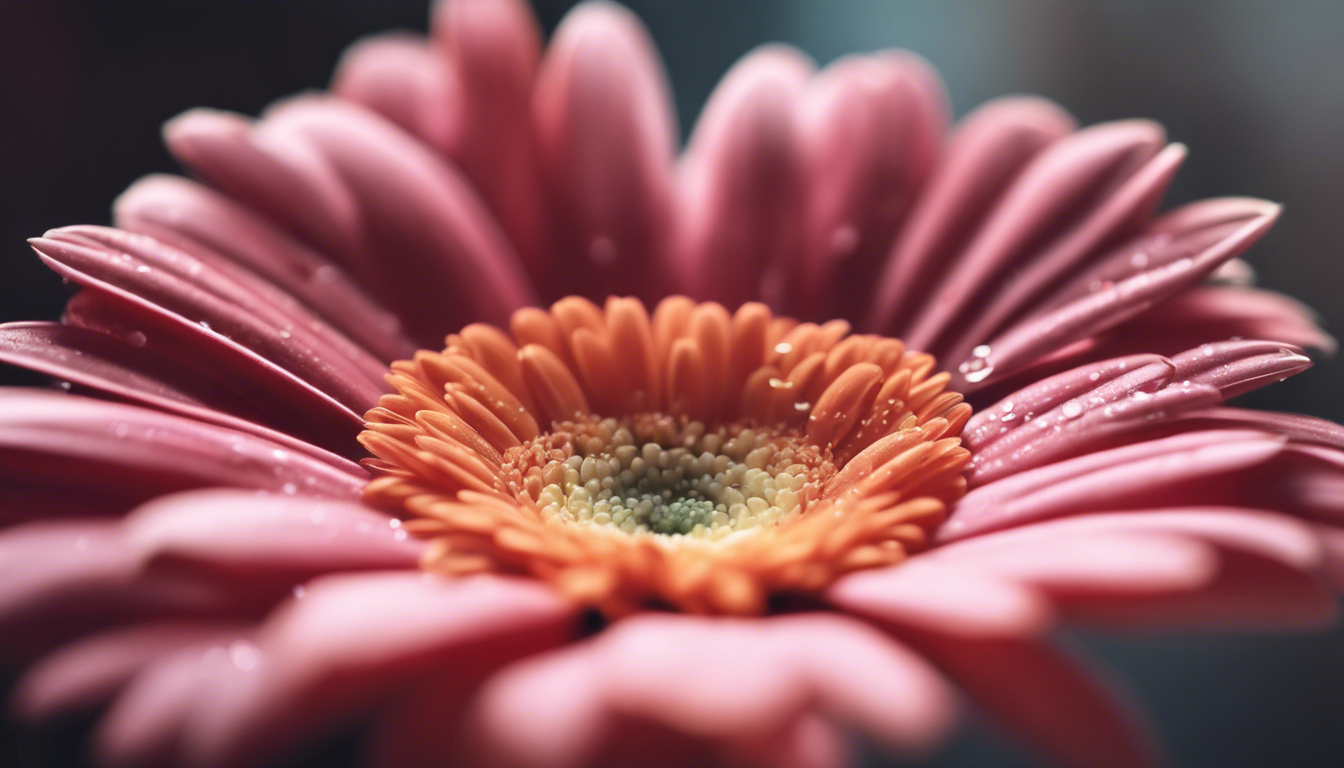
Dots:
pixel 608 535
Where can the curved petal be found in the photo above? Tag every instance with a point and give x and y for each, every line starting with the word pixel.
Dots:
pixel 208 225
pixel 741 181
pixel 606 136
pixel 401 77
pixel 494 47
pixel 989 149
pixel 249 530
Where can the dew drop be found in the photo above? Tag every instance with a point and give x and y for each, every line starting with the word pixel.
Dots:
pixel 781 384
pixel 137 339
pixel 801 406
pixel 1072 409
pixel 602 251
pixel 783 348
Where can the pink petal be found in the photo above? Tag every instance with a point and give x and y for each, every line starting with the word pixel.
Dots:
pixel 741 181
pixel 432 251
pixel 927 596
pixel 606 136
pixel 103 363
pixel 870 130
pixel 353 639
pixel 984 156
pixel 63 444
pixel 402 78
pixel 1115 214
pixel 206 224
pixel 1173 270
pixel 1307 429
pixel 1236 367
pixel 1047 700
pixel 286 181
pixel 1212 312
pixel 252 531
pixel 1080 166
pixel 1134 474
pixel 88 672
pixel 176 283
pixel 494 47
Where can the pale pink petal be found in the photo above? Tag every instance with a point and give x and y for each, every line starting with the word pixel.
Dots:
pixel 352 640
pixel 431 249
pixel 1179 266
pixel 923 594
pixel 104 364
pixel 1201 567
pixel 254 531
pixel 1046 699
pixel 606 136
pixel 870 130
pixel 89 672
pixel 402 78
pixel 1110 479
pixel 760 677
pixel 286 181
pixel 988 151
pixel 1081 166
pixel 202 222
pixel 741 181
pixel 494 47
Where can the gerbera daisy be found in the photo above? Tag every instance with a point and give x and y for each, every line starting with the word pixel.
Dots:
pixel 701 460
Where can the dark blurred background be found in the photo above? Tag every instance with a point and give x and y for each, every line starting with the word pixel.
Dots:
pixel 1255 89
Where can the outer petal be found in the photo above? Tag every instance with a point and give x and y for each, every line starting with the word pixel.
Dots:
pixel 986 153
pixel 741 181
pixel 402 78
pixel 606 132
pixel 206 224
pixel 494 47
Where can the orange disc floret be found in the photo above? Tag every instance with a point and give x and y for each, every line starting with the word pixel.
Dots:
pixel 695 459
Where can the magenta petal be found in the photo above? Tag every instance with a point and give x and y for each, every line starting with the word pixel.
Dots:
pixel 402 78
pixel 286 181
pixel 64 444
pixel 988 150
pixel 321 665
pixel 741 180
pixel 1076 168
pixel 92 670
pixel 43 560
pixel 1236 367
pixel 1175 265
pixel 248 530
pixel 606 135
pixel 208 225
pixel 431 249
pixel 870 130
pixel 1110 479
pixel 102 363
pixel 494 47
pixel 929 597
pixel 1045 698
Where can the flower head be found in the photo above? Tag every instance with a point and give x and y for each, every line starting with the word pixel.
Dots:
pixel 709 532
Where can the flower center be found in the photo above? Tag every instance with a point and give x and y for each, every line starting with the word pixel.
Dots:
pixel 653 473
pixel 694 459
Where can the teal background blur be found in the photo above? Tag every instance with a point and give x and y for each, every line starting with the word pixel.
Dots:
pixel 1255 89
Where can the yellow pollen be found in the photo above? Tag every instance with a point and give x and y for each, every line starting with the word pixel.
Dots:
pixel 693 459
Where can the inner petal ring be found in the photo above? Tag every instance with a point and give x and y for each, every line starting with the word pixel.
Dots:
pixel 695 459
